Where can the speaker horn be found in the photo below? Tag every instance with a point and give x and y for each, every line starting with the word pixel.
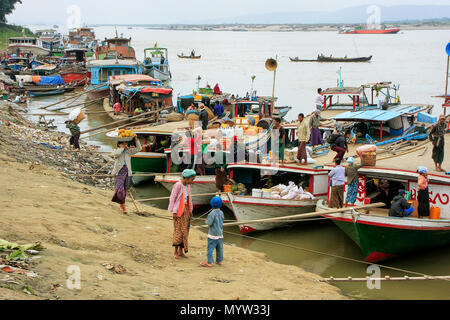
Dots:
pixel 271 64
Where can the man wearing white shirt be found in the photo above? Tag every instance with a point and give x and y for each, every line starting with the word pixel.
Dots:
pixel 320 100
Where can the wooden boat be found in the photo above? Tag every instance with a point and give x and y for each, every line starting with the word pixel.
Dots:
pixel 247 208
pixel 156 63
pixel 79 78
pixel 99 72
pixel 332 59
pixel 370 31
pixel 189 57
pixel 46 93
pixel 116 48
pixel 383 237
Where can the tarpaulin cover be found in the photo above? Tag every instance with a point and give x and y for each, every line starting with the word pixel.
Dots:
pixel 50 81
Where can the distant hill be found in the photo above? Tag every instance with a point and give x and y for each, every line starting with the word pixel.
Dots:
pixel 349 15
pixel 8 31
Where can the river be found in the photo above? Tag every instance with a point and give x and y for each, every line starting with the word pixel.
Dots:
pixel 414 59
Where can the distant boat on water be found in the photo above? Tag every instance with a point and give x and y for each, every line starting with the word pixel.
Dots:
pixel 369 31
pixel 322 58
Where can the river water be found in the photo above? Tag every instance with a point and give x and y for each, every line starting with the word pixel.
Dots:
pixel 414 59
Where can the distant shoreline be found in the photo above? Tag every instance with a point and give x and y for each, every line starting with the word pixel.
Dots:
pixel 277 27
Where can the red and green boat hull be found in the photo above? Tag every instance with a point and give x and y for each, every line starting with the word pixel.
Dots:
pixel 383 237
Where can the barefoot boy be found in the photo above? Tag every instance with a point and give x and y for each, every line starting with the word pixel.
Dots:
pixel 215 234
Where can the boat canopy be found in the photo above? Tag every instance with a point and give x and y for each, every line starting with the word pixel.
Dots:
pixel 145 89
pixel 368 115
pixel 133 79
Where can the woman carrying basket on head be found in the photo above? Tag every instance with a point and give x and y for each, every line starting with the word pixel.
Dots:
pixel 122 170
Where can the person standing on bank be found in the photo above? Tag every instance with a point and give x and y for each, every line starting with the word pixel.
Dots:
pixel 320 100
pixel 75 132
pixel 282 139
pixel 351 172
pixel 215 234
pixel 203 117
pixel 316 135
pixel 423 196
pixel 337 176
pixel 437 134
pixel 303 134
pixel 181 206
pixel 122 170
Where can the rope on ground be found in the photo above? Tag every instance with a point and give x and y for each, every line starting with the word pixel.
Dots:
pixel 316 252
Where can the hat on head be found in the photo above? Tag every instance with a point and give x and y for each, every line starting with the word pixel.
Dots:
pixel 216 203
pixel 189 173
pixel 422 170
pixel 401 192
pixel 351 160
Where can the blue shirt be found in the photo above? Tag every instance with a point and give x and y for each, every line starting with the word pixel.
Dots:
pixel 219 110
pixel 186 194
pixel 337 176
pixel 215 223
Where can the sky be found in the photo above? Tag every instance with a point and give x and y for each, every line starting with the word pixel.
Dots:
pixel 174 11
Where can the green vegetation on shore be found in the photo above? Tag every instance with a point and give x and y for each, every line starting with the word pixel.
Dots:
pixel 8 31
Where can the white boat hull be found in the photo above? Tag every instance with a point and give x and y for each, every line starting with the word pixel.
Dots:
pixel 157 74
pixel 247 208
pixel 202 185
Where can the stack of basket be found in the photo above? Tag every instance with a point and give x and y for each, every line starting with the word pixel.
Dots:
pixel 368 155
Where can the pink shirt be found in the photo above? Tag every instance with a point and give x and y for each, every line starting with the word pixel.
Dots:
pixel 176 195
pixel 117 107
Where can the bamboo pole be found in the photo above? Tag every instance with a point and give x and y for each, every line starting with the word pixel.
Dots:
pixel 386 278
pixel 112 176
pixel 301 216
pixel 80 104
pixel 64 114
pixel 71 97
pixel 117 122
pixel 167 198
pixel 108 130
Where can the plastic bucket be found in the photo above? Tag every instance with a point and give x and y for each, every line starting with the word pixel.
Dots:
pixel 257 193
pixel 435 213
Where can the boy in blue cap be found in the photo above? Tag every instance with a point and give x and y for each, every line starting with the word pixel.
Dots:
pixel 215 234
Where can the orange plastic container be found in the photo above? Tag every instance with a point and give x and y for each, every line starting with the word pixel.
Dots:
pixel 227 188
pixel 435 213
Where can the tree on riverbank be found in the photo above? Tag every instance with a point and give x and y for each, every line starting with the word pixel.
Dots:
pixel 6 7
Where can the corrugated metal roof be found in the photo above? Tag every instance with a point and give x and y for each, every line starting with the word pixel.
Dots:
pixel 368 115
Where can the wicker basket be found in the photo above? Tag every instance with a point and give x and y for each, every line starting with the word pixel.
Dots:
pixel 368 159
pixel 80 117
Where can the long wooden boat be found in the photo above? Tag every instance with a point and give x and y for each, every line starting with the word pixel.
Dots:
pixel 46 93
pixel 331 59
pixel 247 208
pixel 370 31
pixel 189 57
pixel 382 237
pixel 79 78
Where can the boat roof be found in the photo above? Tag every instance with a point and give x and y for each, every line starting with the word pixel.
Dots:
pixel 146 89
pixel 344 90
pixel 112 62
pixel 378 115
pixel 155 49
pixel 368 115
pixel 45 67
pixel 167 128
pixel 133 78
